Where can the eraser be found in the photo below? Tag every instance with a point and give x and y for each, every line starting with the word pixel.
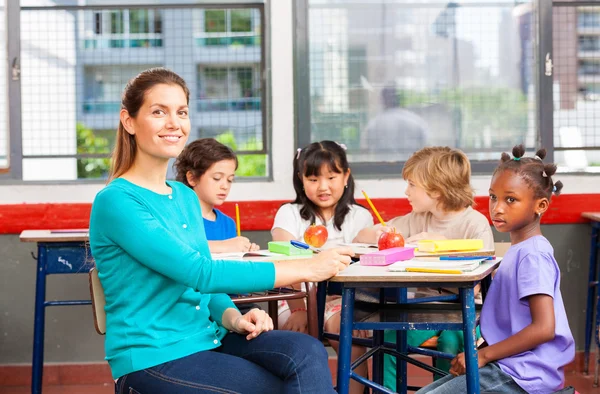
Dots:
pixel 286 248
pixel 387 256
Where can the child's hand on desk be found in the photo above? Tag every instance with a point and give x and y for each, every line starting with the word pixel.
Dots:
pixel 240 244
pixel 253 323
pixel 458 365
pixel 384 229
pixel 424 235
pixel 298 322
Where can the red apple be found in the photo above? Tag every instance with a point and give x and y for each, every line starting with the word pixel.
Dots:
pixel 316 236
pixel 390 239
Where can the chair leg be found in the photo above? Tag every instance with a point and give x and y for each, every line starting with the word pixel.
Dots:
pixel 273 313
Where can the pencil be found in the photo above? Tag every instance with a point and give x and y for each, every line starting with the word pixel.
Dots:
pixel 373 208
pixel 434 271
pixel 237 220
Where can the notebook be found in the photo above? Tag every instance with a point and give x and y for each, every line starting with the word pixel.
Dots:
pixel 437 264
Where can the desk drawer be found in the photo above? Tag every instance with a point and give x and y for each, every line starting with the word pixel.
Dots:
pixel 67 258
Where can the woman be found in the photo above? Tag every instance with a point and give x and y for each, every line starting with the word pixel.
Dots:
pixel 170 326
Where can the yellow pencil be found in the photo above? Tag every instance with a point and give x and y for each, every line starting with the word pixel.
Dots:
pixel 434 271
pixel 237 220
pixel 373 208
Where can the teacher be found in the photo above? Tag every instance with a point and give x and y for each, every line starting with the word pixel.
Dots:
pixel 170 326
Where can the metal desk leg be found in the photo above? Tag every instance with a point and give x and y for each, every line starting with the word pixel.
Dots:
pixel 378 357
pixel 401 370
pixel 345 346
pixel 38 323
pixel 591 296
pixel 321 300
pixel 468 311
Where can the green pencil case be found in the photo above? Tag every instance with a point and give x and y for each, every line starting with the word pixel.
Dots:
pixel 286 248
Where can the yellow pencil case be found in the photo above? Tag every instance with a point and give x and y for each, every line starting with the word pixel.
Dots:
pixel 447 245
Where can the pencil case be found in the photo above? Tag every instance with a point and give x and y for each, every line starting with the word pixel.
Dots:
pixel 446 245
pixel 387 256
pixel 286 248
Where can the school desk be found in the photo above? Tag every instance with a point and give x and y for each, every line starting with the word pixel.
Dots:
pixel 60 252
pixel 405 316
pixel 593 280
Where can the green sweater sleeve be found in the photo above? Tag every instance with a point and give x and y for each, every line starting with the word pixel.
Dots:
pixel 126 220
pixel 217 306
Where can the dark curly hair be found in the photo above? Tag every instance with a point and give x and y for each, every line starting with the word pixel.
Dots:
pixel 199 155
pixel 536 173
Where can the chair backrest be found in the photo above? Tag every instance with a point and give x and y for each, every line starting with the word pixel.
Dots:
pixel 98 302
pixel 501 248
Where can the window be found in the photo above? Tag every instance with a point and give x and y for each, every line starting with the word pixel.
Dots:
pixel 235 91
pixel 240 27
pixel 135 28
pixel 72 83
pixel 389 78
pixel 576 87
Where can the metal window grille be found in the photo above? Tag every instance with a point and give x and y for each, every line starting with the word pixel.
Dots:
pixel 576 85
pixel 389 77
pixel 77 60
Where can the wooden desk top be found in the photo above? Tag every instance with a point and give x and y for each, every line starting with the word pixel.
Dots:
pixel 75 235
pixel 595 216
pixel 366 274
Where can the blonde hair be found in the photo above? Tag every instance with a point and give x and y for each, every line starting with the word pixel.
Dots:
pixel 123 155
pixel 444 171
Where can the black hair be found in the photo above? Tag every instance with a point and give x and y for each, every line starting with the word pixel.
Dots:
pixel 536 173
pixel 308 162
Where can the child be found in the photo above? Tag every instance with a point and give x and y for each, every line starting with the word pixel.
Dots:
pixel 324 195
pixel 208 167
pixel 523 319
pixel 441 196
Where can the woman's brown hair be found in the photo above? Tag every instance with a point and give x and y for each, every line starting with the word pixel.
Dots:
pixel 125 149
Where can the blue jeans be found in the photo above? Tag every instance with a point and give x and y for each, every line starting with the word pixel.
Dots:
pixel 491 380
pixel 274 362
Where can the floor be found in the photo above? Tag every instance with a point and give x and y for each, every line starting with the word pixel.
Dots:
pixel 583 384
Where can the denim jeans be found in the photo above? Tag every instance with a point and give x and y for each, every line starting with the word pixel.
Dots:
pixel 274 362
pixel 491 380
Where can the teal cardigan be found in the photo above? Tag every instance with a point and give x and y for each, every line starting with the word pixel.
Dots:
pixel 165 296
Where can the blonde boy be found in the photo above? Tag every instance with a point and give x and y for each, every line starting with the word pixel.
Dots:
pixel 441 196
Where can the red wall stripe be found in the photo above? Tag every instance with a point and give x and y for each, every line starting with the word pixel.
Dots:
pixel 259 215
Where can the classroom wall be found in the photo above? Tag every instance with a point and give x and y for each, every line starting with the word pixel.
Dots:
pixel 71 338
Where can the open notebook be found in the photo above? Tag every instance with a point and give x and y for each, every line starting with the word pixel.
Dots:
pixel 259 255
pixel 434 264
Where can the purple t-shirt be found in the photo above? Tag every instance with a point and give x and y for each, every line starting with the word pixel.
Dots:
pixel 528 268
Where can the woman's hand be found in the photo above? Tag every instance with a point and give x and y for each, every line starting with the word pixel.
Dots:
pixel 253 323
pixel 326 264
pixel 298 322
pixel 422 236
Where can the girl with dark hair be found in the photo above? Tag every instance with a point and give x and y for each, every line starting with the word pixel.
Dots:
pixel 528 341
pixel 208 167
pixel 170 327
pixel 324 195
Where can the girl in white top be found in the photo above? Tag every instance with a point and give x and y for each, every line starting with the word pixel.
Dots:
pixel 324 195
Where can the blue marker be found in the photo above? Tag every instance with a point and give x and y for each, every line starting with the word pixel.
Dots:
pixel 302 245
pixel 467 257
